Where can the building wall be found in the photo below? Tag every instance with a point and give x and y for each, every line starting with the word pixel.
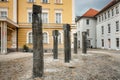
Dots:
pixel 82 26
pixel 113 34
pixel 65 7
pixel 8 5
pixel 24 27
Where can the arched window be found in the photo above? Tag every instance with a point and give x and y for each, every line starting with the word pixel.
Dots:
pixel 59 38
pixel 45 37
pixel 30 40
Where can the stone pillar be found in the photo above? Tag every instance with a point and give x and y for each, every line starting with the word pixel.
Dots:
pixel 38 61
pixel 67 43
pixel 84 42
pixel 3 37
pixel 55 44
pixel 75 43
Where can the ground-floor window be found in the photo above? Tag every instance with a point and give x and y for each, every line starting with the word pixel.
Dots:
pixel 102 42
pixel 45 37
pixel 30 37
pixel 109 43
pixel 117 42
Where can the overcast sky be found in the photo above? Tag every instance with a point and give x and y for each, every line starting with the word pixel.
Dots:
pixel 81 6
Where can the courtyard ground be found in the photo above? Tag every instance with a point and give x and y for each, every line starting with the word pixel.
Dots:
pixel 97 64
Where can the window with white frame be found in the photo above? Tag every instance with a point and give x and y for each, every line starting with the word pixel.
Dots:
pixel 88 32
pixel 117 26
pixel 29 17
pixel 45 17
pixel 99 18
pixel 105 15
pixel 30 39
pixel 87 21
pixel 102 17
pixel 108 14
pixel 59 38
pixel 109 28
pixel 102 42
pixel 58 18
pixel 102 29
pixel 44 1
pixel 3 13
pixel 58 1
pixel 112 12
pixel 117 10
pixel 30 0
pixel 45 37
pixel 117 42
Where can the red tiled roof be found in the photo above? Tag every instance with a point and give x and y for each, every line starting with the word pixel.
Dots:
pixel 90 13
pixel 113 2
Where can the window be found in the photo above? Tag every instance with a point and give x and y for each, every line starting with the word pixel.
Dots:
pixel 112 12
pixel 109 43
pixel 102 17
pixel 117 42
pixel 58 1
pixel 105 16
pixel 45 17
pixel 58 18
pixel 45 37
pixel 45 1
pixel 117 26
pixel 88 32
pixel 29 17
pixel 108 14
pixel 3 13
pixel 3 0
pixel 30 0
pixel 102 42
pixel 99 19
pixel 102 29
pixel 30 39
pixel 89 44
pixel 59 38
pixel 109 28
pixel 87 21
pixel 117 10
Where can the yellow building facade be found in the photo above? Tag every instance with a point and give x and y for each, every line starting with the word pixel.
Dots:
pixel 55 13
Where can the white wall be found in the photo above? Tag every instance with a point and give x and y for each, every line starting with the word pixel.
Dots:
pixel 82 26
pixel 113 35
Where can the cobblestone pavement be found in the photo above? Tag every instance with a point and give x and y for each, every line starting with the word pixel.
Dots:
pixel 95 65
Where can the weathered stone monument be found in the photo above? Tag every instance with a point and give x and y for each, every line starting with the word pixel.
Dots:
pixel 75 43
pixel 84 42
pixel 67 42
pixel 55 44
pixel 38 62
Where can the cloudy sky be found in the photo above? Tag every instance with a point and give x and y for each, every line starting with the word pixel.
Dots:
pixel 81 6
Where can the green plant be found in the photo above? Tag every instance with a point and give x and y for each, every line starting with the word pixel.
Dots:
pixel 25 48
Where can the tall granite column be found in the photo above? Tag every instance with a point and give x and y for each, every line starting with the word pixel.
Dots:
pixel 84 42
pixel 55 44
pixel 75 43
pixel 38 62
pixel 67 43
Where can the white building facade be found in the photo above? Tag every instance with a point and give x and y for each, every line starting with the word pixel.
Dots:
pixel 108 27
pixel 103 29
pixel 87 23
